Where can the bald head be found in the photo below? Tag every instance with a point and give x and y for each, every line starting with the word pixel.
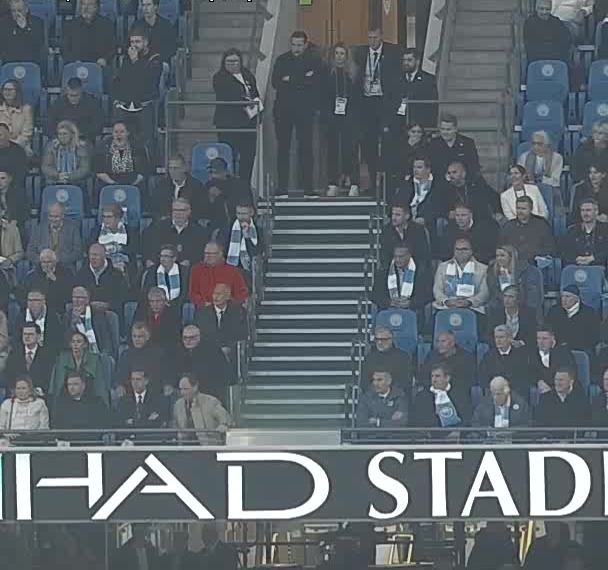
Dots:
pixel 214 254
pixel 56 213
pixel 221 295
pixel 191 337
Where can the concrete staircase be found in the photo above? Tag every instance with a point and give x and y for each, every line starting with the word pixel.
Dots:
pixel 222 25
pixel 301 358
pixel 481 51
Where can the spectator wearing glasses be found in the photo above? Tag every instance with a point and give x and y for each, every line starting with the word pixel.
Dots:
pixel 169 275
pixel 586 243
pixel 383 405
pixel 594 186
pixel 46 318
pixel 180 231
pixel 234 82
pixel 502 408
pixel 17 114
pixel 50 278
pixel 385 356
pixel 212 270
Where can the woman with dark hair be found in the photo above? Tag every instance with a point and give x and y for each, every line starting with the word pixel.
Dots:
pixel 520 186
pixel 122 160
pixel 18 115
pixel 340 106
pixel 595 186
pixel 24 411
pixel 234 82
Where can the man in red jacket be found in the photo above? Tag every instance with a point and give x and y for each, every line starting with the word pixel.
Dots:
pixel 212 270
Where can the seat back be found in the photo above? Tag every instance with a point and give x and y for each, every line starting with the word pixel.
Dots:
pixel 583 368
pixel 597 84
pixel 204 153
pixel 404 325
pixel 68 195
pixel 590 281
pixel 547 80
pixel 596 110
pixel 28 76
pixel 543 116
pixel 114 326
pixel 462 322
pixel 128 309
pixel 127 197
pixel 89 73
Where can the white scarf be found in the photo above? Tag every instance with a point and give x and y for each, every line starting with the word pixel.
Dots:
pixel 174 281
pixel 407 277
pixel 238 244
pixel 460 282
pixel 573 311
pixel 86 328
pixel 425 187
pixel 40 321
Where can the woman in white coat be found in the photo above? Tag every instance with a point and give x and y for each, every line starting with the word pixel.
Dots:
pixel 520 187
pixel 24 410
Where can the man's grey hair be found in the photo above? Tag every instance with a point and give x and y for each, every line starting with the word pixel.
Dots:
pixel 387 375
pixel 503 329
pixel 544 134
pixel 383 330
pixel 500 383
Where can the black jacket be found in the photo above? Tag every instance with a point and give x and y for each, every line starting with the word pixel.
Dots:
pixel 14 160
pixel 475 193
pixel 101 327
pixel 58 292
pixel 415 236
pixel 53 331
pixel 559 357
pixel 463 149
pixel 421 295
pixel 192 191
pixel 512 366
pixel 580 332
pixel 190 243
pixel 138 81
pixel 546 39
pixel 395 361
pixel 111 286
pixel 103 161
pixel 87 116
pixel 573 412
pixel 577 242
pixel 222 211
pixel 167 333
pixel 232 329
pixel 152 359
pixel 150 280
pixel 599 411
pixel 87 413
pixel 424 407
pixel 162 37
pixel 229 88
pixel 423 87
pixel 483 235
pixel 40 371
pixel 585 155
pixel 527 324
pixel 88 42
pixel 462 365
pixel 22 44
pixel 429 209
pixel 338 83
pixel 531 239
pixel 152 415
pixel 301 95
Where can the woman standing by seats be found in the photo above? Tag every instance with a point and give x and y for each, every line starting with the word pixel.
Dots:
pixel 339 108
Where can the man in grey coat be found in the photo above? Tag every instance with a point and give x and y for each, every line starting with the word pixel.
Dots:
pixel 502 408
pixel 57 234
pixel 384 405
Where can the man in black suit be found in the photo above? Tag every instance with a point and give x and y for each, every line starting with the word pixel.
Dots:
pixel 546 358
pixel 505 360
pixel 379 63
pixel 223 322
pixel 47 319
pixel 141 407
pixel 403 284
pixel 451 146
pixel 31 358
pixel 566 405
pixel 178 184
pixel 296 77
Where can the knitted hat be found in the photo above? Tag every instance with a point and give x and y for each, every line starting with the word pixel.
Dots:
pixel 572 289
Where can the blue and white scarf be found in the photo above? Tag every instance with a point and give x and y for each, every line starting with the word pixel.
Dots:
pixel 421 191
pixel 237 252
pixel 406 276
pixel 85 326
pixel 66 158
pixel 114 242
pixel 445 409
pixel 504 279
pixel 460 283
pixel 174 289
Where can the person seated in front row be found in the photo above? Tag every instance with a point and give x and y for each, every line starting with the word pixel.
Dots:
pixel 504 359
pixel 565 404
pixel 546 358
pixel 383 405
pixel 384 355
pixel 444 404
pixel 502 407
pixel 519 318
pixel 162 319
pixel 169 275
pixel 575 324
pixel 67 158
pixel 520 186
pixel 586 243
pixel 509 269
pixel 402 284
pixel 461 283
pixel 59 234
pixel 25 410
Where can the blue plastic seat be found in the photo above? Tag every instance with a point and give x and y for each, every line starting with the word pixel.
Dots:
pixel 462 322
pixel 404 325
pixel 596 110
pixel 89 73
pixel 128 310
pixel 597 82
pixel 204 153
pixel 114 326
pixel 583 368
pixel 28 75
pixel 590 281
pixel 68 195
pixel 543 116
pixel 127 197
pixel 547 80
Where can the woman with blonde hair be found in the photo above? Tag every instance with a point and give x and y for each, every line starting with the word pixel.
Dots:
pixel 24 411
pixel 339 106
pixel 67 159
pixel 17 115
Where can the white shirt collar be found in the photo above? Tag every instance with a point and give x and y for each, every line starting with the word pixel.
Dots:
pixel 32 350
pixel 143 396
pixel 505 352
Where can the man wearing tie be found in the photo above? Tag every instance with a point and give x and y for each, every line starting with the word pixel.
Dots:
pixel 379 64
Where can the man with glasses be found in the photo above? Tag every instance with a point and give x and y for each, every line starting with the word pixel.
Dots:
pixel 186 236
pixel 213 270
pixel 384 355
pixel 38 311
pixel 169 275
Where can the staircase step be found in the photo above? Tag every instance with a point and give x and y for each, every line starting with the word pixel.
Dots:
pixel 294 422
pixel 478 18
pixel 221 33
pixel 215 47
pixel 476 83
pixel 228 8
pixel 465 112
pixel 215 19
pixel 321 222
pixel 303 251
pixel 489 44
pixel 322 392
pixel 347 306
pixel 311 280
pixel 325 236
pixel 491 29
pixel 293 292
pixel 467 57
pixel 315 322
pixel 325 207
pixel 487 5
pixel 478 95
pixel 262 349
pixel 303 363
pixel 302 334
pixel 332 408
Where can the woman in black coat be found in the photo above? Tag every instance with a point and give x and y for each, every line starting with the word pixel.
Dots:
pixel 234 82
